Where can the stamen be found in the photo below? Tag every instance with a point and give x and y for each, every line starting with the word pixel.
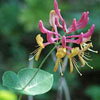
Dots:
pixel 92 50
pixel 75 59
pixel 86 58
pixel 77 68
pixel 75 63
pixel 87 55
pixel 31 58
pixel 87 47
pixel 35 51
pixel 61 73
pixel 88 65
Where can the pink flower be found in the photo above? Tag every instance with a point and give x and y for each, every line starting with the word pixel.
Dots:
pixel 61 42
pixel 48 33
pixel 83 37
pixel 80 24
pixel 61 18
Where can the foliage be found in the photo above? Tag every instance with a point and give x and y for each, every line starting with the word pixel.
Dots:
pixel 21 83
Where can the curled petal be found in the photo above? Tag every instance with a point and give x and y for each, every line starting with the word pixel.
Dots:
pixel 49 33
pixel 84 37
pixel 90 32
pixel 80 24
pixel 58 13
pixel 82 18
pixel 57 10
pixel 53 15
pixel 83 22
pixel 44 30
pixel 73 26
pixel 50 38
pixel 64 26
pixel 57 22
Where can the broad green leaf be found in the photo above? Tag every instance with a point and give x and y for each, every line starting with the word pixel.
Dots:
pixel 40 84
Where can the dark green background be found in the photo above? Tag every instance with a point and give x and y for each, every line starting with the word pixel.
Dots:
pixel 18 28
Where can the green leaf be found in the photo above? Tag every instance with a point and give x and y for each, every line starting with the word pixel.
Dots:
pixel 42 82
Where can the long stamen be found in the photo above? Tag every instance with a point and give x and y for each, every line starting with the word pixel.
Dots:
pixel 31 58
pixel 34 51
pixel 86 58
pixel 86 48
pixel 75 62
pixel 61 72
pixel 77 68
pixel 92 50
pixel 87 55
pixel 88 65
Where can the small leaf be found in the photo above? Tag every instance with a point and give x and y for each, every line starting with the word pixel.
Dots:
pixel 40 84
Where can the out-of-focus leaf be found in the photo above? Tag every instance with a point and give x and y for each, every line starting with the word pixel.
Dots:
pixel 7 95
pixel 33 11
pixel 8 17
pixel 93 92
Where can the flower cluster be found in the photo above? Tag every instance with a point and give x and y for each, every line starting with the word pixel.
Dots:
pixel 61 42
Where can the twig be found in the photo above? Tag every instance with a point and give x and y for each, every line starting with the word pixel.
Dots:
pixel 30 66
pixel 20 96
pixel 60 90
pixel 62 83
pixel 66 90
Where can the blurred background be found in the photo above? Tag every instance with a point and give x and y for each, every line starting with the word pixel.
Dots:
pixel 18 28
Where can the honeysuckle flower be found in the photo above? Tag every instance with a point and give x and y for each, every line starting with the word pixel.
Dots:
pixel 80 53
pixel 80 24
pixel 54 20
pixel 61 53
pixel 61 42
pixel 61 18
pixel 49 34
pixel 83 37
pixel 64 41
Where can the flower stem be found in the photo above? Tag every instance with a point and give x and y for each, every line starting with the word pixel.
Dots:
pixel 20 97
pixel 39 67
